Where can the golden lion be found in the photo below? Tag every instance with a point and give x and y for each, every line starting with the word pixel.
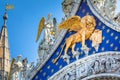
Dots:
pixel 84 28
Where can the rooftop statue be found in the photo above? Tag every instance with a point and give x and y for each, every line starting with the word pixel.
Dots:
pixel 20 68
pixel 49 26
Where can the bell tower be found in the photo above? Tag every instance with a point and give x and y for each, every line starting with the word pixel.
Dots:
pixel 4 51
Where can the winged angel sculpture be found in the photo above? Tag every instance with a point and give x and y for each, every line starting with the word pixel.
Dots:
pixel 49 27
pixel 83 27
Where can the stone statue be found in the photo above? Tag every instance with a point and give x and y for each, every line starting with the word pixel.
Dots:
pixel 49 33
pixel 21 69
pixel 49 29
pixel 49 26
pixel 16 69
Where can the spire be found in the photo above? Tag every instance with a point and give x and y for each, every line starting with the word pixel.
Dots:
pixel 4 49
pixel 4 32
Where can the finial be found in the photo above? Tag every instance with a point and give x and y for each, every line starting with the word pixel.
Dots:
pixel 5 17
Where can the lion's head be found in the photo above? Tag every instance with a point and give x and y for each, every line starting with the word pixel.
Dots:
pixel 89 22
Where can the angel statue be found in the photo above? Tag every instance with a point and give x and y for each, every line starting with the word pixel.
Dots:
pixel 83 27
pixel 49 27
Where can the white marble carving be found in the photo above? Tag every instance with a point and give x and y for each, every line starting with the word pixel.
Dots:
pixel 42 51
pixel 21 69
pixel 107 11
pixel 66 58
pixel 85 49
pixel 50 33
pixel 76 54
pixel 101 63
pixel 68 6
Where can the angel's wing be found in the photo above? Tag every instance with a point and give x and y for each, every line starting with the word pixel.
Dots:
pixel 40 28
pixel 73 24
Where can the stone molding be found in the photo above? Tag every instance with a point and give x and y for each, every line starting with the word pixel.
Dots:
pixel 96 65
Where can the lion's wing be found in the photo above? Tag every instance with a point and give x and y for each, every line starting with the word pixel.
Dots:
pixel 73 24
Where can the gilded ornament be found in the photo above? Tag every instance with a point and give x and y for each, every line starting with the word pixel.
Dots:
pixel 84 27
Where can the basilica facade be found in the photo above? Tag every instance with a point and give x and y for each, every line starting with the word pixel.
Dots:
pixel 87 46
pixel 84 46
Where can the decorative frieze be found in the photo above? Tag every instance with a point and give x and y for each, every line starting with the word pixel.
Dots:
pixel 100 63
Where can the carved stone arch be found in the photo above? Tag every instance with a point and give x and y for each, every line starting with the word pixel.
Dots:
pixel 103 64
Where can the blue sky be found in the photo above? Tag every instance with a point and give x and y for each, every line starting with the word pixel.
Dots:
pixel 23 23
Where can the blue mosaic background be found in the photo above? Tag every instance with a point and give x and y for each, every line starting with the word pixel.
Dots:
pixel 111 42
